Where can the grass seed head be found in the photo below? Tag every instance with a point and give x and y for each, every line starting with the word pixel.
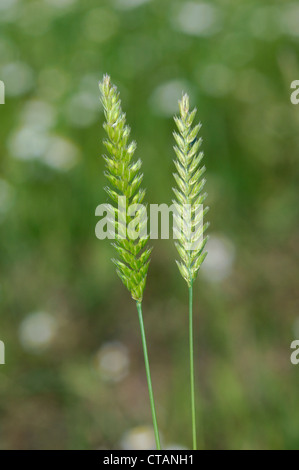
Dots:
pixel 124 176
pixel 189 191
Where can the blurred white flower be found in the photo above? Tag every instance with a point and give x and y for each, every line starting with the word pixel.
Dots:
pixel 6 197
pixel 265 22
pixel 90 83
pixel 197 19
pixel 139 438
pixel 37 331
pixel 18 78
pixel 9 11
pixel 33 143
pixel 6 4
pixel 60 3
pixel 289 19
pixel 219 262
pixel 62 154
pixel 38 114
pixel 175 447
pixel 28 143
pixel 112 361
pixel 129 4
pixel 35 18
pixel 164 99
pixel 217 79
pixel 100 24
pixel 82 109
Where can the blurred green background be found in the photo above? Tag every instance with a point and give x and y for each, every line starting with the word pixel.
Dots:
pixel 74 374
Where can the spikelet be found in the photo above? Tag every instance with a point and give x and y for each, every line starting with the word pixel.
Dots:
pixel 125 178
pixel 190 182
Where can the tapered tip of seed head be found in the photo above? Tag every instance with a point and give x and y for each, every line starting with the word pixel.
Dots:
pixel 105 84
pixel 184 104
pixel 106 80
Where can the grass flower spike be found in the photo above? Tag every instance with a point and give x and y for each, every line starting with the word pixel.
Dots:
pixel 190 181
pixel 189 194
pixel 123 174
pixel 125 178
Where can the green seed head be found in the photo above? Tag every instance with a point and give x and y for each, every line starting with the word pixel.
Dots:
pixel 189 192
pixel 125 179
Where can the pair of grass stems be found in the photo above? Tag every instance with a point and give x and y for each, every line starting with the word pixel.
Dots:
pixel 123 174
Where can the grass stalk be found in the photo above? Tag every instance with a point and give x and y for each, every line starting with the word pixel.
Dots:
pixel 148 376
pixel 189 193
pixel 124 176
pixel 192 379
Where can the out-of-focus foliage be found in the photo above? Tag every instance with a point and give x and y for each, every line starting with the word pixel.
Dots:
pixel 74 375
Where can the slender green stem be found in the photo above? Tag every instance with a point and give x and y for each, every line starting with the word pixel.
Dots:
pixel 148 375
pixel 192 365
